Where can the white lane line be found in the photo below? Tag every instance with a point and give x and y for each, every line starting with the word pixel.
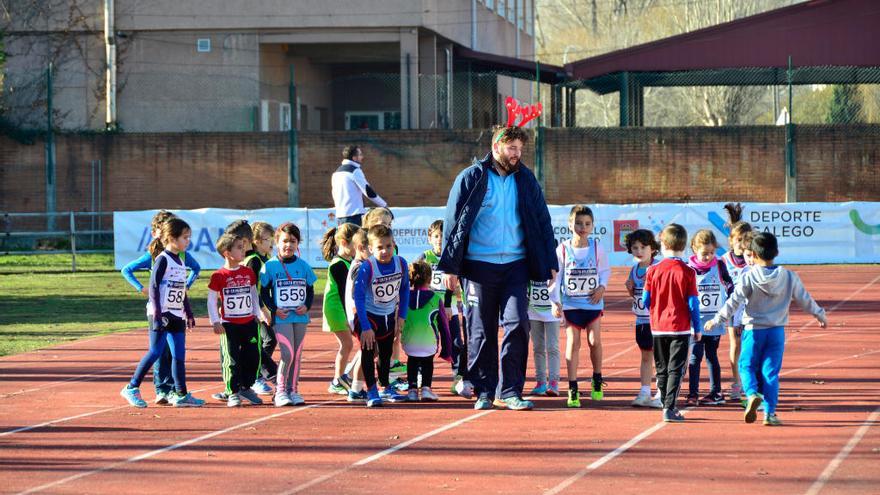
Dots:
pixel 169 448
pixel 835 463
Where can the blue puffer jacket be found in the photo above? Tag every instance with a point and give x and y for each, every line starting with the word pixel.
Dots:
pixel 465 199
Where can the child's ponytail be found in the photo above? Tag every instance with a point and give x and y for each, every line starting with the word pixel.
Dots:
pixel 155 248
pixel 328 244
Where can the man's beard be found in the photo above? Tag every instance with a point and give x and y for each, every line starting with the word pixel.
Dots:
pixel 505 165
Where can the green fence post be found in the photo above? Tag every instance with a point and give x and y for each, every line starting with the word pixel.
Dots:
pixel 790 163
pixel 50 154
pixel 292 158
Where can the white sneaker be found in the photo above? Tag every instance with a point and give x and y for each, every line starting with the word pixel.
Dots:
pixel 429 395
pixel 464 389
pixel 282 399
pixel 233 401
pixel 735 394
pixel 261 387
pixel 645 400
pixel 296 399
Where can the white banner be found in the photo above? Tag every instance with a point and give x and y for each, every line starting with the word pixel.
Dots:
pixel 808 233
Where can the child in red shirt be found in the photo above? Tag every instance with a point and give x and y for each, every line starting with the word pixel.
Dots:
pixel 234 288
pixel 670 294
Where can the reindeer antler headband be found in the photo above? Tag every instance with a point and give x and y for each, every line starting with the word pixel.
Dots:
pixel 526 113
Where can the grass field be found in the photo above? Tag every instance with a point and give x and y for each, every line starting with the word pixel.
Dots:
pixel 43 303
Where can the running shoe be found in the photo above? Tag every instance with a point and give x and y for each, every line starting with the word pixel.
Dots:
pixel 186 401
pixel 400 384
pixel 715 399
pixel 483 403
pixel 455 381
pixel 672 416
pixel 412 395
pixel 735 393
pixel 596 393
pixel 345 381
pixel 772 420
pixel 553 388
pixel 752 404
pixel 161 398
pixel 250 395
pixel 390 394
pixel 373 398
pixel 692 401
pixel 645 400
pixel 220 397
pixel 398 367
pixel 517 404
pixel 465 389
pixel 337 389
pixel 296 399
pixel 428 395
pixel 574 398
pixel 233 401
pixel 357 396
pixel 261 387
pixel 282 399
pixel 540 389
pixel 133 396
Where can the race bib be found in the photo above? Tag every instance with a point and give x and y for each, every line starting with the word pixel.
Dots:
pixel 710 298
pixel 290 293
pixel 386 288
pixel 639 308
pixel 174 294
pixel 539 296
pixel 237 302
pixel 579 282
pixel 437 284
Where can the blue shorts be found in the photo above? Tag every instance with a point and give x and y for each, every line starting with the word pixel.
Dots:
pixel 644 339
pixel 581 318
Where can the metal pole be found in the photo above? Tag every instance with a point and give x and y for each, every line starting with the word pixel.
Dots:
pixel 470 95
pixel 292 158
pixel 790 163
pixel 409 122
pixel 72 242
pixel 50 154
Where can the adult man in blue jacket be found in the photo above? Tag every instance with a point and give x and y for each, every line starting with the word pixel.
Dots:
pixel 497 237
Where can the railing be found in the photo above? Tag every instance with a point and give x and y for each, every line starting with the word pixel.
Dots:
pixel 66 232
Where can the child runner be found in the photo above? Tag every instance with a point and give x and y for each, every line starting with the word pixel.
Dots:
pixel 162 380
pixel 383 216
pixel 766 291
pixel 644 248
pixel 255 259
pixel 171 316
pixel 452 304
pixel 381 298
pixel 733 260
pixel 234 288
pixel 361 253
pixel 544 329
pixel 670 294
pixel 337 249
pixel 288 289
pixel 424 332
pixel 714 285
pixel 583 276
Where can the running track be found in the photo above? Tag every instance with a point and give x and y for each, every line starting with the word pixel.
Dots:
pixel 64 428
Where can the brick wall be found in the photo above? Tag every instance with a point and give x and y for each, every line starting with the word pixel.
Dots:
pixel 414 168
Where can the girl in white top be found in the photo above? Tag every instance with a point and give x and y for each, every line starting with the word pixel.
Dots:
pixel 545 336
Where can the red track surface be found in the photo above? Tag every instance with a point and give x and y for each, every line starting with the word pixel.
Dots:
pixel 94 443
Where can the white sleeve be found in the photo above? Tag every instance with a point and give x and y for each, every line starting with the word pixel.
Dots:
pixel 604 267
pixel 555 283
pixel 213 310
pixel 361 180
pixel 255 297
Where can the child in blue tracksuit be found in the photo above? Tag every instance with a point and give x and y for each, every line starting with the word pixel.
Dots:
pixel 767 291
pixel 162 380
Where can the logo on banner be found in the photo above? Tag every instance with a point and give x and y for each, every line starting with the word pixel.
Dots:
pixel 861 225
pixel 330 221
pixel 622 228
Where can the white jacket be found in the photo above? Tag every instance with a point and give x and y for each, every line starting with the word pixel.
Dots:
pixel 349 188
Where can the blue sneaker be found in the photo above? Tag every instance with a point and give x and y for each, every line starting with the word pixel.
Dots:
pixel 483 403
pixel 133 396
pixel 540 389
pixel 400 385
pixel 162 398
pixel 260 387
pixel 186 401
pixel 373 398
pixel 390 394
pixel 357 396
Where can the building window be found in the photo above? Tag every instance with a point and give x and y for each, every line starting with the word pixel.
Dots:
pixel 490 4
pixel 284 116
pixel 203 45
pixel 530 17
pixel 501 7
pixel 520 15
pixel 511 11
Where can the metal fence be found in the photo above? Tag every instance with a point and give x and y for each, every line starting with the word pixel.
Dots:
pixel 65 232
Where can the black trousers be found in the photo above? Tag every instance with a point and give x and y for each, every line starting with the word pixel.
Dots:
pixel 383 326
pixel 416 365
pixel 670 358
pixel 242 355
pixel 268 342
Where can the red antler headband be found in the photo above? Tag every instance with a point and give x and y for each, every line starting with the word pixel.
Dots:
pixel 526 113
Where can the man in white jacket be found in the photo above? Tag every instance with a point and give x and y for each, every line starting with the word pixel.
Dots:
pixel 350 186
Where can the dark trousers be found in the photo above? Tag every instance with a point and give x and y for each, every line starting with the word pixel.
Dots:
pixel 670 357
pixel 416 365
pixel 241 355
pixel 355 219
pixel 708 345
pixel 268 342
pixel 459 346
pixel 173 337
pixel 383 326
pixel 497 294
